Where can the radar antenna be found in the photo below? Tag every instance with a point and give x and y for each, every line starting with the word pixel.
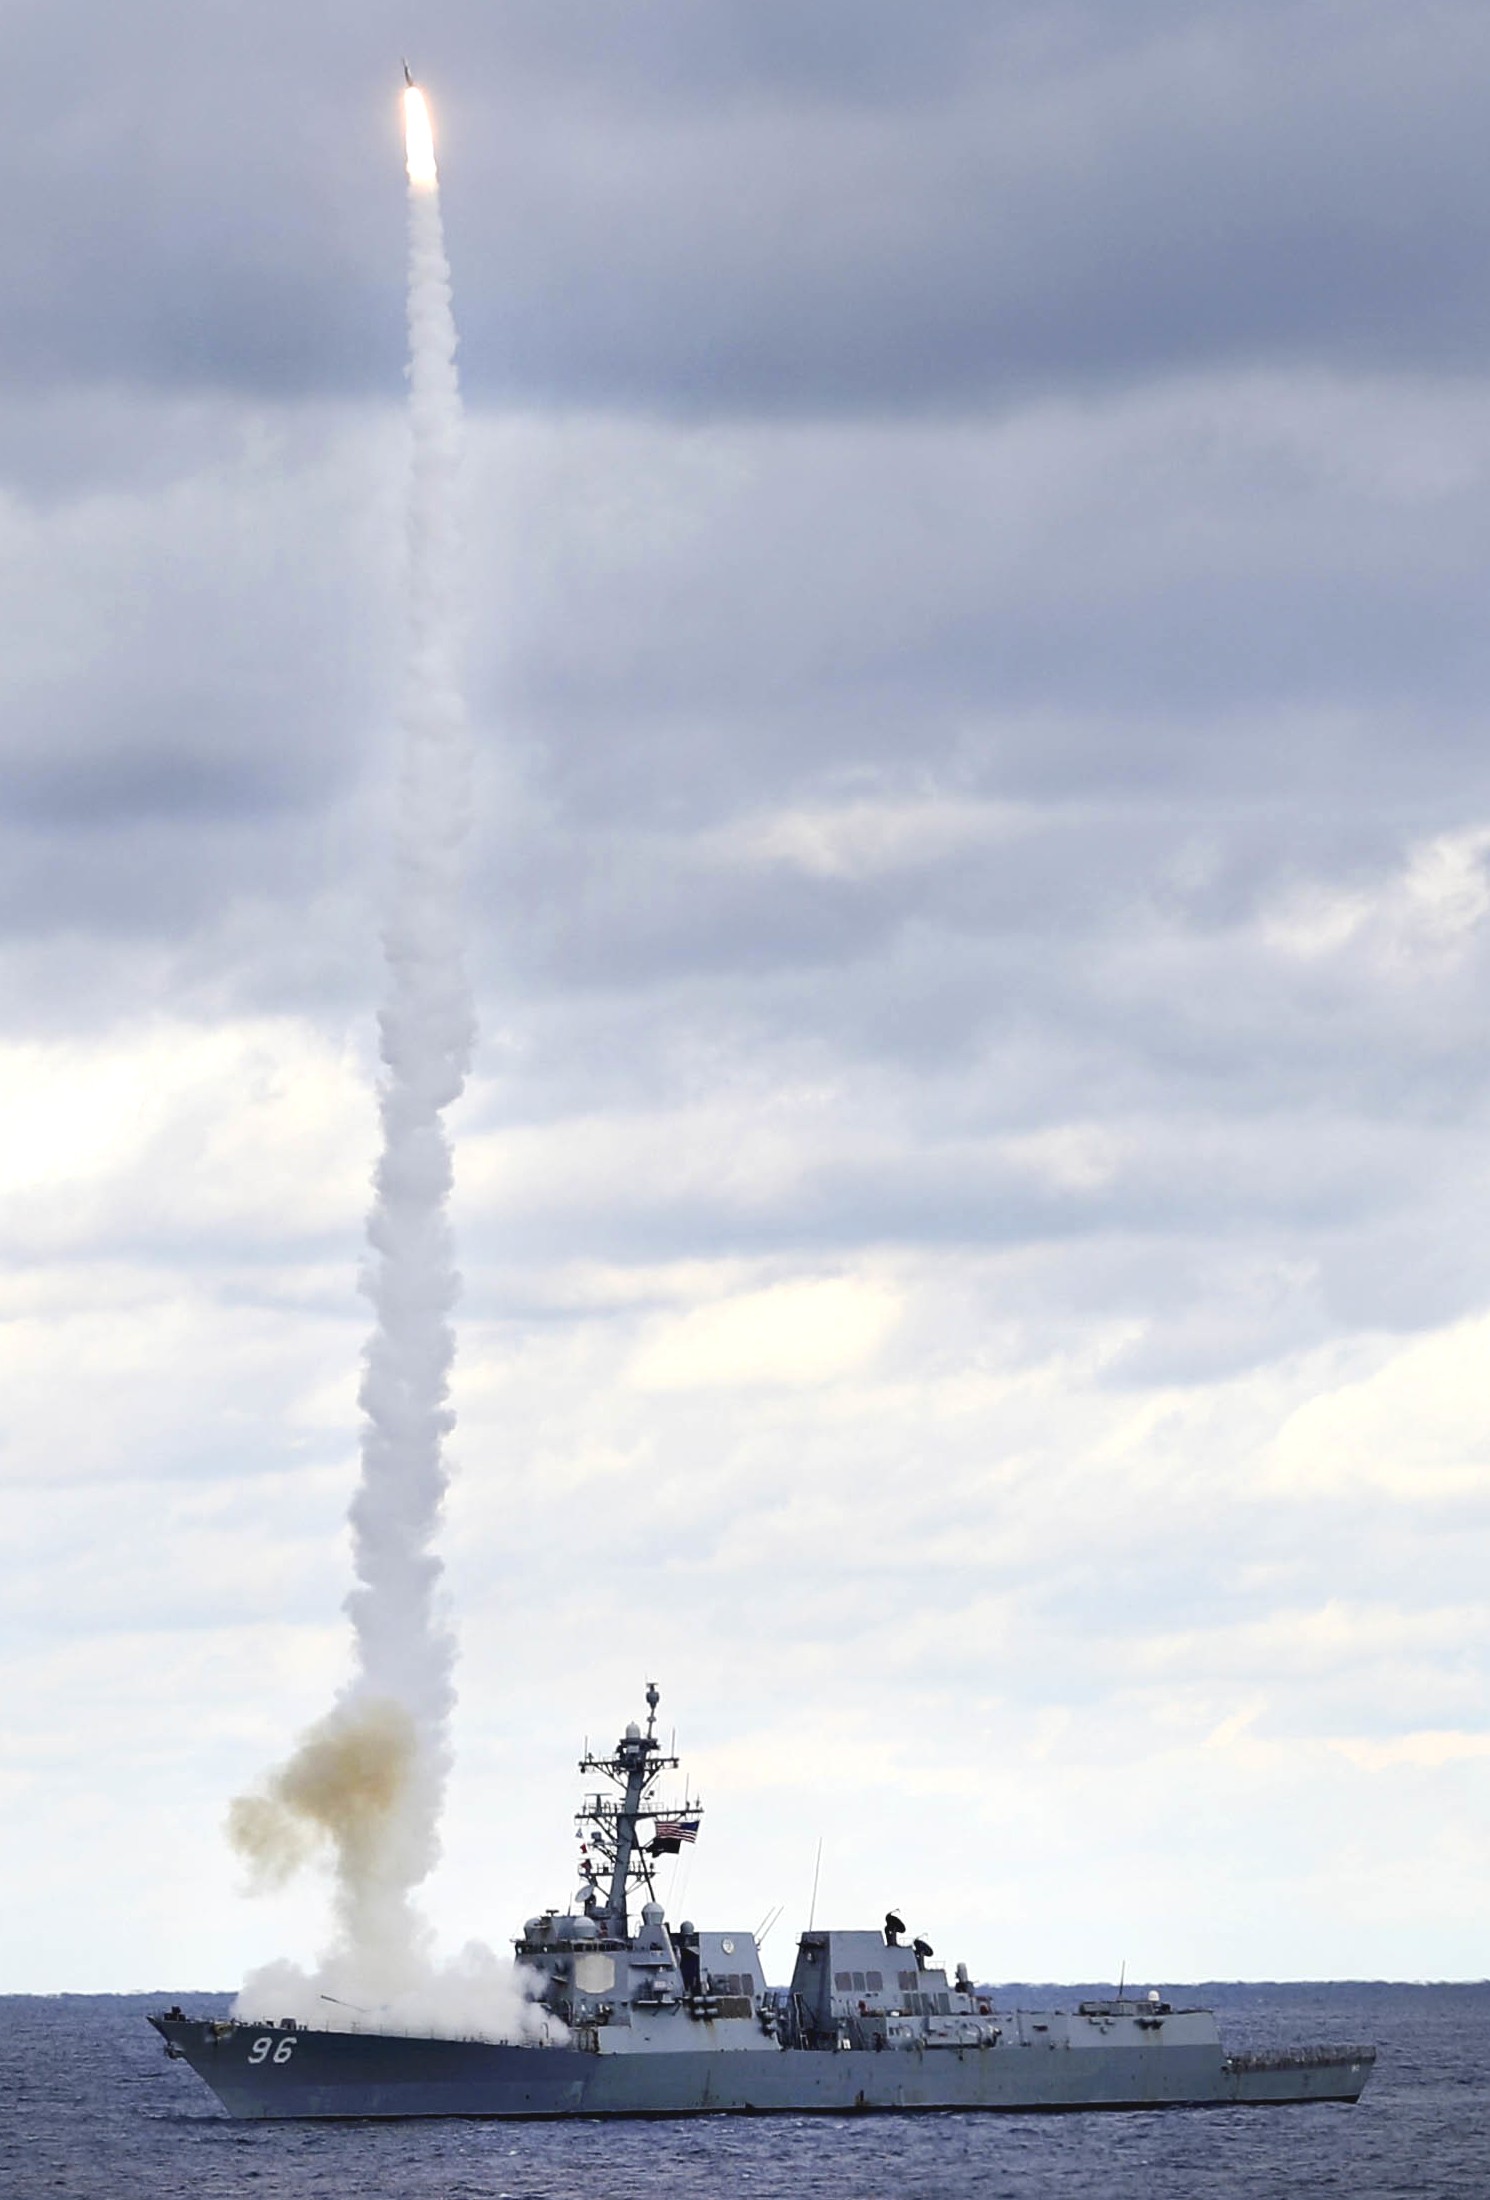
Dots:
pixel 615 1854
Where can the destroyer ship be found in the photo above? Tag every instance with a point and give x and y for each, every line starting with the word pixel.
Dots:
pixel 646 2018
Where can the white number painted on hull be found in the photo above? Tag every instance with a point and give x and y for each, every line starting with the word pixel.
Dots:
pixel 259 2052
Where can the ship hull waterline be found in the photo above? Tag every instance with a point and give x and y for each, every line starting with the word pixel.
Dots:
pixel 369 2076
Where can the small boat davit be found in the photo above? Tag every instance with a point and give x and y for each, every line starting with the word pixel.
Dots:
pixel 666 2020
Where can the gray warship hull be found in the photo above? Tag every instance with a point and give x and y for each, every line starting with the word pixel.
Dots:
pixel 367 2075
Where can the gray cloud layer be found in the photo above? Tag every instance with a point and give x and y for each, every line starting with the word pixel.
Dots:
pixel 727 204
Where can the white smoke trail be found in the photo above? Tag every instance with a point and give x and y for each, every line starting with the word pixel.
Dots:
pixel 404 1650
pixel 368 1781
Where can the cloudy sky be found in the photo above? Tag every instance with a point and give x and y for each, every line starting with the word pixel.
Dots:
pixel 974 1204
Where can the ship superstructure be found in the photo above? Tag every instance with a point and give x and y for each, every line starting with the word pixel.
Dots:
pixel 620 1991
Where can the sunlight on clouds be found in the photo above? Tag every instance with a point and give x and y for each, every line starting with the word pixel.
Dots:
pixel 1418 1427
pixel 263 1124
pixel 1387 1649
pixel 167 1195
pixel 857 840
pixel 1428 911
pixel 807 1332
pixel 1427 1749
pixel 167 1381
pixel 1444 890
pixel 1235 1732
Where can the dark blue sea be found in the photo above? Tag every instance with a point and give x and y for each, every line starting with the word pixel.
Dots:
pixel 90 2108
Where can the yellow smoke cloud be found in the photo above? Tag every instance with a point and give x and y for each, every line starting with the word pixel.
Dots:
pixel 340 1790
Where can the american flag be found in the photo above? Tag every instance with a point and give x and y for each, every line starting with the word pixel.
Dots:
pixel 669 1835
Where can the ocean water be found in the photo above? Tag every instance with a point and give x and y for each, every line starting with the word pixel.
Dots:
pixel 90 2108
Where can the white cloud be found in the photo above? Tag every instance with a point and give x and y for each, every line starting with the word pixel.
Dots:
pixel 1427 912
pixel 1417 1427
pixel 812 1330
pixel 1427 1749
pixel 1074 1157
pixel 867 839
pixel 1444 888
pixel 264 1128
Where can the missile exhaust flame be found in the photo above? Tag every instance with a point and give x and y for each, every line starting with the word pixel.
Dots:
pixel 419 141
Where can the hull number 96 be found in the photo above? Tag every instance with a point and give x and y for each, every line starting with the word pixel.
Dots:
pixel 269 2050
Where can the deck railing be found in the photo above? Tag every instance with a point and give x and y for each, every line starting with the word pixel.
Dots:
pixel 1300 2058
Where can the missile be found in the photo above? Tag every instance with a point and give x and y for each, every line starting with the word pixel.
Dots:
pixel 408 76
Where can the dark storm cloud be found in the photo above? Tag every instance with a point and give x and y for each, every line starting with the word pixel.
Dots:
pixel 729 204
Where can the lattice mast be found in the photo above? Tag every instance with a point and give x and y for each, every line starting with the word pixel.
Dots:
pixel 615 1855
